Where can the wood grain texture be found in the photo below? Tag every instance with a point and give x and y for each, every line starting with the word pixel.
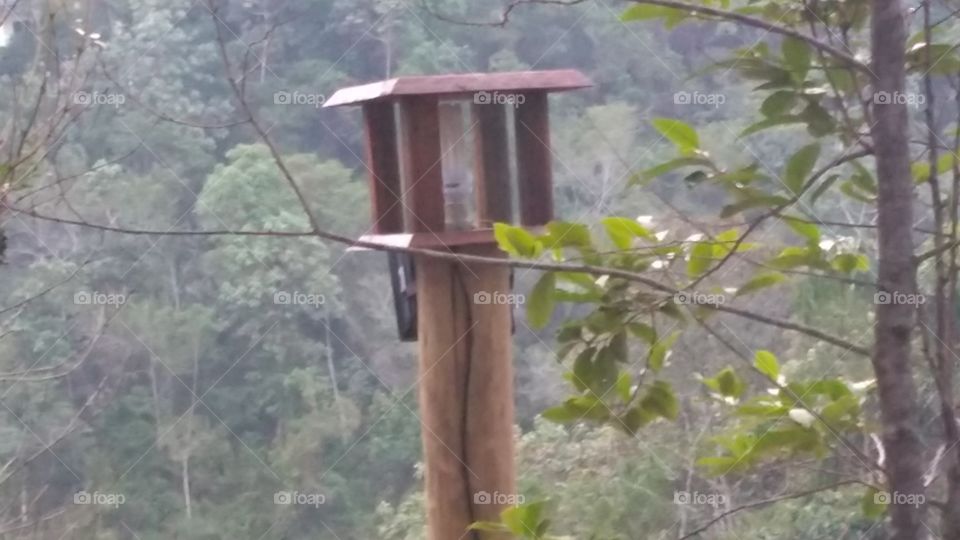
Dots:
pixel 384 167
pixel 534 160
pixel 422 176
pixel 466 394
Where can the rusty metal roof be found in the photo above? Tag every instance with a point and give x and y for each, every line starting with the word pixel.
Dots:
pixel 461 83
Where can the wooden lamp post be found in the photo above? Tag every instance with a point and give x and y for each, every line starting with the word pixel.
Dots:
pixel 448 155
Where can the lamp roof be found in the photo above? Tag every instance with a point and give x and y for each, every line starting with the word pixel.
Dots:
pixel 461 83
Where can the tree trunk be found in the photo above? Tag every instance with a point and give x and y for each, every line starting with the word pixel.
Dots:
pixel 896 273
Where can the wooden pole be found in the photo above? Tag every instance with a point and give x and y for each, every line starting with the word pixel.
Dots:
pixel 466 393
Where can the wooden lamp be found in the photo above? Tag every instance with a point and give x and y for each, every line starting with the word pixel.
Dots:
pixel 448 157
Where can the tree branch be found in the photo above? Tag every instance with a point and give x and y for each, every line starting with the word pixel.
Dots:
pixel 765 502
pixel 695 9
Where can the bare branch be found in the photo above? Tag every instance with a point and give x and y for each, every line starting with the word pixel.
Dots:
pixel 765 502
pixel 693 9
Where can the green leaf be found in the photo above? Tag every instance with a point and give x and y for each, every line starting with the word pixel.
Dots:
pixel 583 369
pixel 488 526
pixel 790 437
pixel 725 241
pixel 799 166
pixel 580 279
pixel 681 134
pixel 862 179
pixel 564 234
pixel 672 165
pixel 617 348
pixel 823 187
pixel 794 256
pixel 842 79
pixel 766 201
pixel 643 331
pixel 874 503
pixel 805 229
pixel 850 189
pixel 659 350
pixel 636 418
pixel 851 262
pixel 623 230
pixel 624 386
pixel 541 301
pixel 767 364
pixel 570 332
pixel 561 414
pixel 796 56
pixel 661 400
pixel 726 383
pixel 516 240
pixel 701 255
pixel 778 103
pixel 765 406
pixel 832 388
pixel 729 383
pixel 743 175
pixel 819 121
pixel 522 520
pixel 845 409
pixel 921 169
pixel 760 281
pixel 577 409
pixel 771 122
pixel 719 465
pixel 643 12
pixel 943 60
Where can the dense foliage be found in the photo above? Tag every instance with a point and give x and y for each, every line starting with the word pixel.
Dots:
pixel 192 386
